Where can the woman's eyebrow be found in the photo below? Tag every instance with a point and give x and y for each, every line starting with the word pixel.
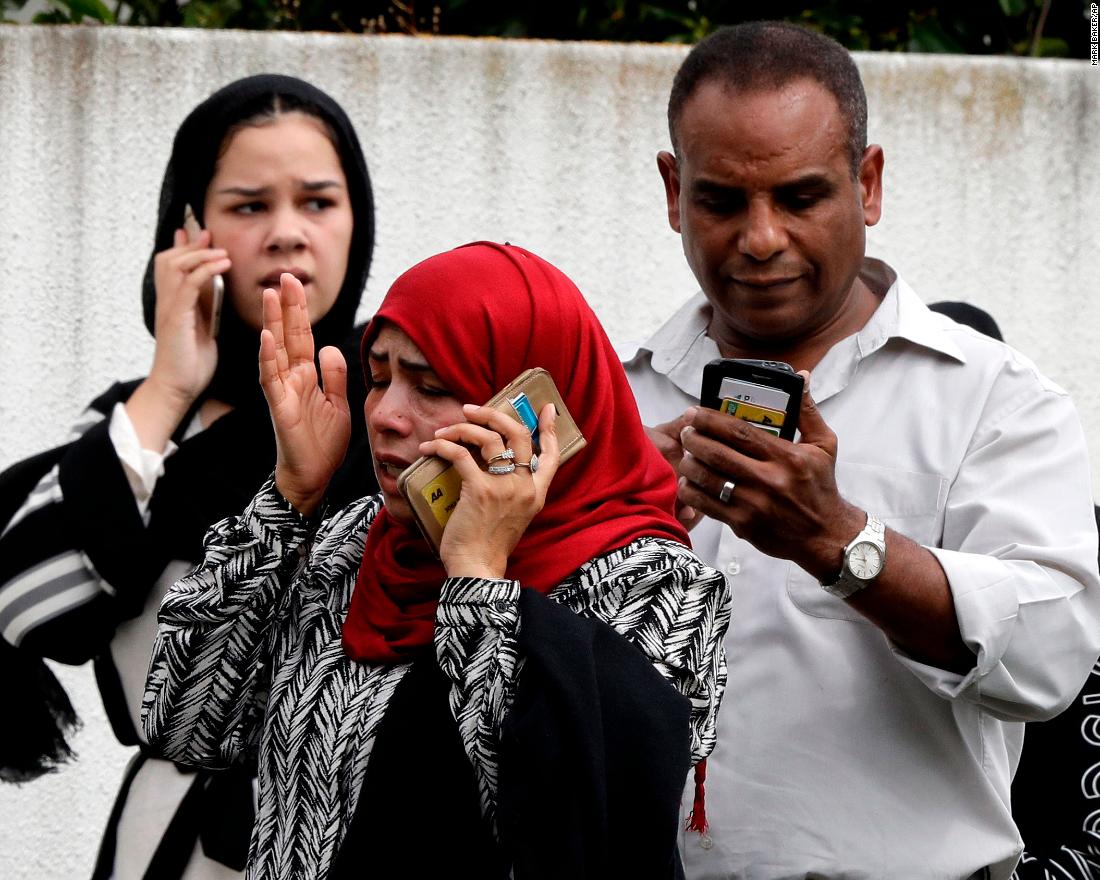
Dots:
pixel 414 366
pixel 248 192
pixel 256 192
pixel 405 363
pixel 316 185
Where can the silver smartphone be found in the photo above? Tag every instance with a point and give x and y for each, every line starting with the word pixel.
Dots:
pixel 214 295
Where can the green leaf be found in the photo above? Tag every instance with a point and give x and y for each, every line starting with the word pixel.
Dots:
pixel 1052 47
pixel 53 16
pixel 928 35
pixel 1012 8
pixel 91 8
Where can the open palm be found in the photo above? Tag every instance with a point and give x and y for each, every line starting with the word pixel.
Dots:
pixel 312 423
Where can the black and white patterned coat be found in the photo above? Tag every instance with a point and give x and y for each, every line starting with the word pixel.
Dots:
pixel 248 664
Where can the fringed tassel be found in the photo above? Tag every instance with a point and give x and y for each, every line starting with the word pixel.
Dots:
pixel 697 821
pixel 40 718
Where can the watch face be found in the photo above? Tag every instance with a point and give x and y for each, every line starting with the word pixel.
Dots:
pixel 865 560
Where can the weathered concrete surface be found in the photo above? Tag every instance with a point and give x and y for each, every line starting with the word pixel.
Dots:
pixel 991 197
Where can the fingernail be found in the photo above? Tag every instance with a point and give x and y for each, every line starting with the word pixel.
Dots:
pixel 439 431
pixel 690 412
pixel 469 406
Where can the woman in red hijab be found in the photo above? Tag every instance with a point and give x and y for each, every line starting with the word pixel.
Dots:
pixel 529 702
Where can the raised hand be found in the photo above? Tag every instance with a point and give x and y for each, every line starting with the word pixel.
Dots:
pixel 493 510
pixel 312 424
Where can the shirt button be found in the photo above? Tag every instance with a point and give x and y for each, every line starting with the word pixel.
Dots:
pixel 705 841
pixel 502 605
pixel 733 567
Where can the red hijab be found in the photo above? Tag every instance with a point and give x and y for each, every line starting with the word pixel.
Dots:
pixel 482 314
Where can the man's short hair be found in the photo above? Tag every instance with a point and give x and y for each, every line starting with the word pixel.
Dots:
pixel 769 55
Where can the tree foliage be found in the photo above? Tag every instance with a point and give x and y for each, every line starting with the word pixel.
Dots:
pixel 980 27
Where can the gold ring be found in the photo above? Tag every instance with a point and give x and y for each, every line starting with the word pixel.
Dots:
pixel 506 455
pixel 533 464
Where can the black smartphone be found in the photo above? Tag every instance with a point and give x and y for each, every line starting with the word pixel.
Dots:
pixel 766 394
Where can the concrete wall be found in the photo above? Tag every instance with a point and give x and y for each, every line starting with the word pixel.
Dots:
pixel 991 196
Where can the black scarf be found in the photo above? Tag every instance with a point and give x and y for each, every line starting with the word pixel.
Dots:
pixel 195 152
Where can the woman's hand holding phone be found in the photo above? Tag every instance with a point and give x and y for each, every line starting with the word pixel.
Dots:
pixel 186 354
pixel 494 510
pixel 312 423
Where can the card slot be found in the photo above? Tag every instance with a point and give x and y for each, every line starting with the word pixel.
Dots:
pixel 432 486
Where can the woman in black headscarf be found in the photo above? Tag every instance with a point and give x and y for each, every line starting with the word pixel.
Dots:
pixel 93 531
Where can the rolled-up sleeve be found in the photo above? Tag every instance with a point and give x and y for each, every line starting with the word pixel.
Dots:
pixel 1019 549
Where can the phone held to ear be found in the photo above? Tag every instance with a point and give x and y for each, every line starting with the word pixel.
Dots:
pixel 432 485
pixel 766 394
pixel 214 295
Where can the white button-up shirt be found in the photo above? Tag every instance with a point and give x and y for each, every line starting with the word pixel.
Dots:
pixel 838 756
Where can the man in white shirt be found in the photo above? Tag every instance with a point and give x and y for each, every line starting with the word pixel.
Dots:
pixel 872 725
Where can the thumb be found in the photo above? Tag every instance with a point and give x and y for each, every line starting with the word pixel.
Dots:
pixel 811 424
pixel 334 374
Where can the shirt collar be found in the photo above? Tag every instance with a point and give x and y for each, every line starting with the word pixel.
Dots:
pixel 901 314
pixel 681 348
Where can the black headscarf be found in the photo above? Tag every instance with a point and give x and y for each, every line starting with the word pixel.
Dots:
pixel 195 152
pixel 969 315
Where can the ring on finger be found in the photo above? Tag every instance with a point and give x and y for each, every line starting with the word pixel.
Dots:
pixel 500 469
pixel 533 464
pixel 506 455
pixel 727 491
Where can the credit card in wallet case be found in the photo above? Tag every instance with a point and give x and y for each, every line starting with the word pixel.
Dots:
pixel 432 485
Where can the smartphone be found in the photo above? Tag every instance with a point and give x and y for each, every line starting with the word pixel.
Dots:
pixel 766 394
pixel 432 485
pixel 214 296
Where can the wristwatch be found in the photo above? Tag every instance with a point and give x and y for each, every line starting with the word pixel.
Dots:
pixel 863 560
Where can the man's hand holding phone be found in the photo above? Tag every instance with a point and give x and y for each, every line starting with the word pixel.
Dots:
pixel 666 437
pixel 778 495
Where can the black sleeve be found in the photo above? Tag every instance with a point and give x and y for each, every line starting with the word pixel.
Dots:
pixel 1055 790
pixel 73 558
pixel 594 754
pixel 100 508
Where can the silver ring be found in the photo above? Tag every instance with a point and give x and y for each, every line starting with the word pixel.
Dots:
pixel 506 455
pixel 727 491
pixel 500 469
pixel 533 463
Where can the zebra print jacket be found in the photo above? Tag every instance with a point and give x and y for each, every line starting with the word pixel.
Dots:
pixel 248 665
